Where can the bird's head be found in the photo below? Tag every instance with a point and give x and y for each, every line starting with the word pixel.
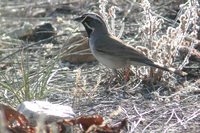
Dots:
pixel 92 22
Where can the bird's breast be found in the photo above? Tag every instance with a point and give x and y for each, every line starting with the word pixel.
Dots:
pixel 104 58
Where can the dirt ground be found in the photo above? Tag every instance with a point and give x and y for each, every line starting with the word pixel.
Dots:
pixel 36 71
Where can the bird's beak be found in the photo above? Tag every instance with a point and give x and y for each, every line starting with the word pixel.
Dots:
pixel 79 19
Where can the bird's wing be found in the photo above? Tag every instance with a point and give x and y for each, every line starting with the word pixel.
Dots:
pixel 118 49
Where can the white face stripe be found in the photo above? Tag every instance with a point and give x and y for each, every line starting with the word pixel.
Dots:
pixel 89 26
pixel 93 16
pixel 83 19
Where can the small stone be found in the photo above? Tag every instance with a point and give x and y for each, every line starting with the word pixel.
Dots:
pixel 36 111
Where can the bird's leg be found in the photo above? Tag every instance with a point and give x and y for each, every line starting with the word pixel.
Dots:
pixel 112 78
pixel 116 76
pixel 115 72
pixel 119 76
pixel 127 72
pixel 138 72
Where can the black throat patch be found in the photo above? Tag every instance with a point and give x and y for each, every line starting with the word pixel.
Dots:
pixel 88 29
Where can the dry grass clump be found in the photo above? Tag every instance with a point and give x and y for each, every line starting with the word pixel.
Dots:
pixel 164 46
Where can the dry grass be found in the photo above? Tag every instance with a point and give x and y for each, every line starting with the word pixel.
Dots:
pixel 169 104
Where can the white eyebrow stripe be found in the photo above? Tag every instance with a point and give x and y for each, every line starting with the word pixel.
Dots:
pixel 83 19
pixel 96 17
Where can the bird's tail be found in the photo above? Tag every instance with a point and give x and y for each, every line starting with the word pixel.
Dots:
pixel 169 69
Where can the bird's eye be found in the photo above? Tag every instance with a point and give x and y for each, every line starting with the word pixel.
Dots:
pixel 88 19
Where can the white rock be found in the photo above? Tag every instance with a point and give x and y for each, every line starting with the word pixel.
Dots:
pixel 37 111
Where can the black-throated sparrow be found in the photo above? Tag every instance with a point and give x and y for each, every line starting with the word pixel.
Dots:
pixel 112 51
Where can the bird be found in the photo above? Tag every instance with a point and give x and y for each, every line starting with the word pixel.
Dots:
pixel 111 51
